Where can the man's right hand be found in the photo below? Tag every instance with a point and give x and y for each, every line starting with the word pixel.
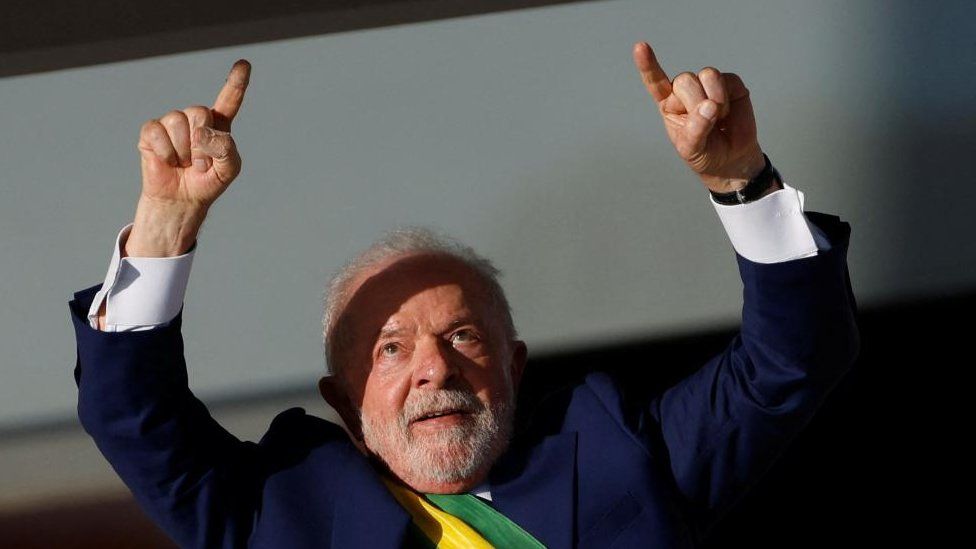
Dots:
pixel 188 159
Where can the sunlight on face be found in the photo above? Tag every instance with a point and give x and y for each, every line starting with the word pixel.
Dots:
pixel 452 453
pixel 435 379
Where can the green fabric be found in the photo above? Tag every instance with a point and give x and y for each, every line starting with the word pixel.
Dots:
pixel 495 527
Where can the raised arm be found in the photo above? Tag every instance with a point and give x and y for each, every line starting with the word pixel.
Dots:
pixel 196 480
pixel 188 159
pixel 725 424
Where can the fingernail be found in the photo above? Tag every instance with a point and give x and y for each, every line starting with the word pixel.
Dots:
pixel 708 109
pixel 200 164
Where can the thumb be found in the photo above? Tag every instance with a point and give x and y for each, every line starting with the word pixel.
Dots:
pixel 216 149
pixel 698 127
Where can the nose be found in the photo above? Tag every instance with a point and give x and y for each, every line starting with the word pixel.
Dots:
pixel 434 366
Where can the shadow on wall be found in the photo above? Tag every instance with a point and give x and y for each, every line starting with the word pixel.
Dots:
pixel 105 31
pixel 924 122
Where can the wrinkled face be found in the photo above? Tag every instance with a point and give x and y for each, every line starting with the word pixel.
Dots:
pixel 431 372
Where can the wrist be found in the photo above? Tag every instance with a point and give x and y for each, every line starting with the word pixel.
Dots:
pixel 765 182
pixel 163 229
pixel 738 176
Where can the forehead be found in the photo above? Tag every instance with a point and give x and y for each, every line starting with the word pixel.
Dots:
pixel 416 289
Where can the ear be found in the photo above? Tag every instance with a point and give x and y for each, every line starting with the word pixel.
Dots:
pixel 333 391
pixel 519 357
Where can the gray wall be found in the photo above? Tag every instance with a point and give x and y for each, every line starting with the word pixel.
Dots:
pixel 527 134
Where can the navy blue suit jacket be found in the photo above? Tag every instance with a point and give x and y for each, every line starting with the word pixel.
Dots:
pixel 592 469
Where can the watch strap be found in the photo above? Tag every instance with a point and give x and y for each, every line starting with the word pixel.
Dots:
pixel 753 189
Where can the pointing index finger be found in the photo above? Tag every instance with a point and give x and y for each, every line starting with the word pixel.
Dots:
pixel 231 95
pixel 655 79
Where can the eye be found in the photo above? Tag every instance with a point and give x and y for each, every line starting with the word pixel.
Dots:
pixel 463 336
pixel 389 349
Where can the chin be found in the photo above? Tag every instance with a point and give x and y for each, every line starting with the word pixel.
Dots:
pixel 451 459
pixel 432 485
pixel 451 463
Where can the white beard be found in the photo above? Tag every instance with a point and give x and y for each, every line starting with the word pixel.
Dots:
pixel 450 454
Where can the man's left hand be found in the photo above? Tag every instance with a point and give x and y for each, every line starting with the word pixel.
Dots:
pixel 709 119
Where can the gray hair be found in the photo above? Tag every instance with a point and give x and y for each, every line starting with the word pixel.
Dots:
pixel 402 242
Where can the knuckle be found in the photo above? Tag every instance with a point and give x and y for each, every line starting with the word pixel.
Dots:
pixel 684 79
pixel 198 135
pixel 198 113
pixel 158 134
pixel 173 118
pixel 734 83
pixel 709 72
pixel 149 127
pixel 734 79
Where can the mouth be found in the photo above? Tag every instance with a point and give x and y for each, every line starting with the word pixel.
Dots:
pixel 440 417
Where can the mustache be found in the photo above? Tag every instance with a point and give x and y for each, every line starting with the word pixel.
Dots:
pixel 426 403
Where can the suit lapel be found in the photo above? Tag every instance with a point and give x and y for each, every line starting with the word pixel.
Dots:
pixel 532 485
pixel 366 514
pixel 535 487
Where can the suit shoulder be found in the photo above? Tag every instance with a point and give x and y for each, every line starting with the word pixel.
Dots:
pixel 572 405
pixel 837 230
pixel 295 424
pixel 294 434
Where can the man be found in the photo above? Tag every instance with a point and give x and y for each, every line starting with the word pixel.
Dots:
pixel 426 365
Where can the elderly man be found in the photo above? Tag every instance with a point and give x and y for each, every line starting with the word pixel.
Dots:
pixel 425 368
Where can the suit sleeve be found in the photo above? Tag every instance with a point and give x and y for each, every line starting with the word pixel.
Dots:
pixel 725 424
pixel 196 480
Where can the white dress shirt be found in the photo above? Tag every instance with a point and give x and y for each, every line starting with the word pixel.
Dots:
pixel 142 293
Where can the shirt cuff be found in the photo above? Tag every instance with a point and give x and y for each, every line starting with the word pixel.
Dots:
pixel 772 229
pixel 141 293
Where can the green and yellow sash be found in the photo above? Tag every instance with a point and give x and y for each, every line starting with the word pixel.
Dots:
pixel 449 521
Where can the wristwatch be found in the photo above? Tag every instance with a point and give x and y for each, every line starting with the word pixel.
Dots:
pixel 753 189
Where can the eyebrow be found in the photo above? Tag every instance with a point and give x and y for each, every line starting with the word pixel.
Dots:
pixel 390 331
pixel 462 321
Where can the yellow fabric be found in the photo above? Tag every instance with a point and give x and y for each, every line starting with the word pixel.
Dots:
pixel 444 530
